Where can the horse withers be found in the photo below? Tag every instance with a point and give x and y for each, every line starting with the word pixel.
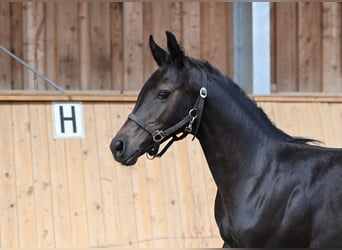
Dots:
pixel 274 190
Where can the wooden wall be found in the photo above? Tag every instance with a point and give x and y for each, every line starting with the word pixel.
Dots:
pixel 71 193
pixel 306 46
pixel 104 46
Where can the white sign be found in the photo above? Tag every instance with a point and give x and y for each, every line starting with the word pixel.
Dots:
pixel 68 119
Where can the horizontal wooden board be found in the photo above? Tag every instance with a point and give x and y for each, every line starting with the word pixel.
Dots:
pixel 114 96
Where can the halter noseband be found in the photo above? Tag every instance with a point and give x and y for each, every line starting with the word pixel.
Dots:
pixel 159 136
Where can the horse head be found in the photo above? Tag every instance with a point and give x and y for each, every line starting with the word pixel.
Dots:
pixel 166 105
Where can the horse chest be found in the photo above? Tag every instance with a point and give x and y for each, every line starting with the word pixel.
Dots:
pixel 277 224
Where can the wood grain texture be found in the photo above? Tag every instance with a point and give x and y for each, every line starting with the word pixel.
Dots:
pixel 100 50
pixel 5 40
pixel 104 46
pixel 71 193
pixel 17 33
pixel 34 43
pixel 23 166
pixel 9 232
pixel 286 47
pixel 310 45
pixel 41 175
pixel 117 46
pixel 331 67
pixel 68 54
pixel 133 40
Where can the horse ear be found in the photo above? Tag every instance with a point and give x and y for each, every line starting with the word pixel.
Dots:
pixel 159 54
pixel 176 53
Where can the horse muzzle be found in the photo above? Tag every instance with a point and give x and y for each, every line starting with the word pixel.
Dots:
pixel 121 154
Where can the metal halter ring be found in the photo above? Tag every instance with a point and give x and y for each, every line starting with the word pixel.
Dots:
pixel 158 136
pixel 203 92
pixel 193 113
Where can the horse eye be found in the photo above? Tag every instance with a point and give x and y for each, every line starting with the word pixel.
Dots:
pixel 163 94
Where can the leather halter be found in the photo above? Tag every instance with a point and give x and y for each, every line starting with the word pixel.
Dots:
pixel 159 136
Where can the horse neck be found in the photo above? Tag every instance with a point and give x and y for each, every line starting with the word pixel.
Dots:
pixel 232 131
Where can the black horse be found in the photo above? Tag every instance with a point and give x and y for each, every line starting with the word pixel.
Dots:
pixel 274 190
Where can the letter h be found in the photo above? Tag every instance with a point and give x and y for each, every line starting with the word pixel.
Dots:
pixel 72 118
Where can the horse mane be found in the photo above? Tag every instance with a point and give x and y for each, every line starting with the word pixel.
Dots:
pixel 247 103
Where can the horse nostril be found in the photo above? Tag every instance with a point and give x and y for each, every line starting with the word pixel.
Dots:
pixel 119 146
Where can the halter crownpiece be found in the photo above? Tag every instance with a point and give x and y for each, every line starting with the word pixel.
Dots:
pixel 159 136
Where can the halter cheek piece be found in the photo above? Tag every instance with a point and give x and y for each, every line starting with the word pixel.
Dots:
pixel 159 136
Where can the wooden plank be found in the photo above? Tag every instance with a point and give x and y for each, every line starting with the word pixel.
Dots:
pixel 101 61
pixel 286 44
pixel 314 121
pixel 176 9
pixel 171 199
pixel 107 170
pixel 288 116
pixel 124 187
pixel 312 97
pixel 9 233
pixel 307 115
pixel 41 175
pixel 133 55
pixel 191 28
pixel 157 207
pixel 309 50
pixel 93 197
pixel 338 134
pixel 331 117
pixel 78 208
pixel 70 96
pixel 205 31
pixel 85 46
pixel 5 40
pixel 59 185
pixel 51 42
pixel 202 213
pixel 34 42
pixel 149 64
pixel 331 47
pixel 217 36
pixel 68 58
pixel 117 45
pixel 186 200
pixel 131 98
pixel 213 34
pixel 282 117
pixel 17 69
pixel 24 179
pixel 161 21
pixel 143 205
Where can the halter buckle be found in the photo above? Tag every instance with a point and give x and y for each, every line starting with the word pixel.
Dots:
pixel 158 136
pixel 193 115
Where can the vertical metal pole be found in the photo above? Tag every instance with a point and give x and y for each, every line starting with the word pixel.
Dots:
pixel 251 46
pixel 261 48
pixel 242 45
